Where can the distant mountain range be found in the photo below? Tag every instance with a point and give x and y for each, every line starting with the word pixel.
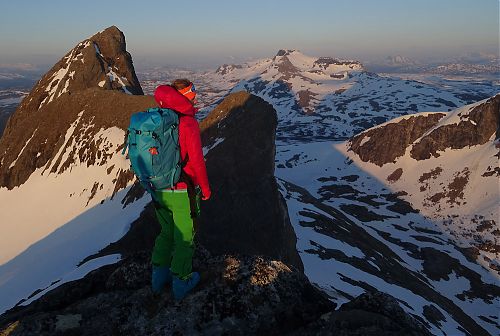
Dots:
pixel 469 64
pixel 327 98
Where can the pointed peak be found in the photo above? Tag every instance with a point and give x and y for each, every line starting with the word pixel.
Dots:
pixel 112 30
pixel 100 61
pixel 286 52
pixel 110 35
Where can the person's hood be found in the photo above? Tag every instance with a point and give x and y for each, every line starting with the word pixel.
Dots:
pixel 168 97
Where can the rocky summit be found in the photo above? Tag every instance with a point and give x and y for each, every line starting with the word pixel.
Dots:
pixel 236 296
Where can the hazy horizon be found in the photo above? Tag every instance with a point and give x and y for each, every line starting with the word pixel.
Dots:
pixel 208 34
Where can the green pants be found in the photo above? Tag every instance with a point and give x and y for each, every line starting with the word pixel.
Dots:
pixel 174 245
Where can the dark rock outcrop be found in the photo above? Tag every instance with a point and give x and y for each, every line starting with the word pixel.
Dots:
pixel 476 129
pixel 370 314
pixel 247 212
pixel 388 142
pixel 284 52
pixel 227 68
pixel 384 144
pixel 237 295
pixel 325 62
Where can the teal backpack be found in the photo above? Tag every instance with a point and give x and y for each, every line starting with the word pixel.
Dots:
pixel 153 148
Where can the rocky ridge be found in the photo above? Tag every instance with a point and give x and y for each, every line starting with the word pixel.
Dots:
pixel 425 135
pixel 239 135
pixel 237 295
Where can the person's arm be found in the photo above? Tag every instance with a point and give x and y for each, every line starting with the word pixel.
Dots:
pixel 195 155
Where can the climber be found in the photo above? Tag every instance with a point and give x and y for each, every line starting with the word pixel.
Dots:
pixel 178 207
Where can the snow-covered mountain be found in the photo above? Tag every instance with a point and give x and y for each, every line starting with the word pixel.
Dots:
pixel 327 98
pixel 61 170
pixel 446 165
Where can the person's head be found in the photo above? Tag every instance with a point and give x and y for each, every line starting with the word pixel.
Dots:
pixel 186 87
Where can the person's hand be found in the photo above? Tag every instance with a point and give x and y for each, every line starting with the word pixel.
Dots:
pixel 207 196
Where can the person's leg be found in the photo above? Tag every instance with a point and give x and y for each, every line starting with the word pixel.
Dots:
pixel 182 255
pixel 162 251
pixel 183 278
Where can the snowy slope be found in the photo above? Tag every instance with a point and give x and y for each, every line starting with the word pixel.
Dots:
pixel 72 192
pixel 54 220
pixel 356 233
pixel 456 187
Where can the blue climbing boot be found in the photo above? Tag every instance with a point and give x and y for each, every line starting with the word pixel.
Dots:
pixel 181 287
pixel 160 276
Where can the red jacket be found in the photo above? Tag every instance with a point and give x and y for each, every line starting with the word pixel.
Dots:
pixel 189 136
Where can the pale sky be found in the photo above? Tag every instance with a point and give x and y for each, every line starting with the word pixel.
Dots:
pixel 219 31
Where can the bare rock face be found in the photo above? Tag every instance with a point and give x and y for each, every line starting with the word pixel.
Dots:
pixel 325 62
pixel 247 212
pixel 474 129
pixel 89 84
pixel 385 144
